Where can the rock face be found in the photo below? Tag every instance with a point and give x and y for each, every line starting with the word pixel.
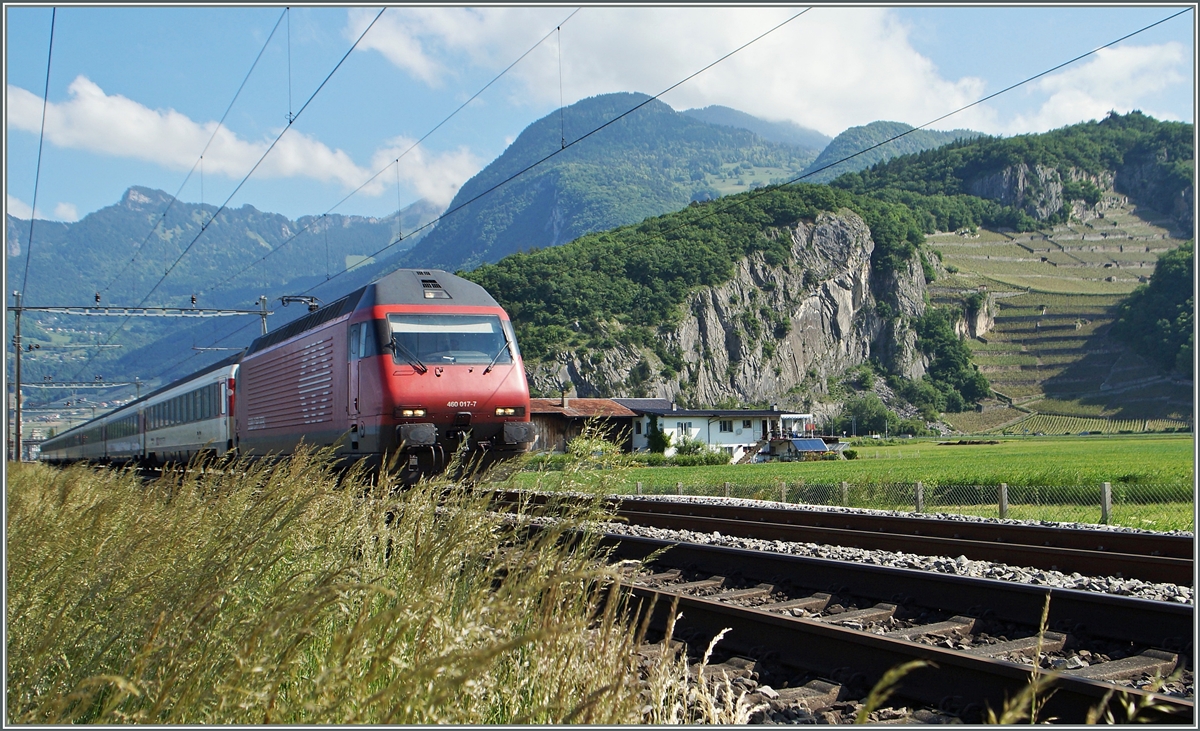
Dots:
pixel 1039 191
pixel 981 321
pixel 1148 180
pixel 770 328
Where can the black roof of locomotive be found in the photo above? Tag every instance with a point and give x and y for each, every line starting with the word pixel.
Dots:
pixel 401 287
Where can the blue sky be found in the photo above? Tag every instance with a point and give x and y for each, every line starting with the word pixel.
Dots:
pixel 136 92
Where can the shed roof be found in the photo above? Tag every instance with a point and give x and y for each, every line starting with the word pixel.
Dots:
pixel 581 408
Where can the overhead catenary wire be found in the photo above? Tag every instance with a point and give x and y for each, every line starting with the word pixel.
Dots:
pixel 206 224
pixel 175 198
pixel 396 161
pixel 37 176
pixel 578 140
pixel 798 178
pixel 763 191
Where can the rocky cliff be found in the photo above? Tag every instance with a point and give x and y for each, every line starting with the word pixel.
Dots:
pixel 770 333
pixel 1038 191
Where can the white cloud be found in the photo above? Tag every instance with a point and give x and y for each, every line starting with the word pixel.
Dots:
pixel 17 208
pixel 434 177
pixel 1118 79
pixel 66 212
pixel 115 125
pixel 829 69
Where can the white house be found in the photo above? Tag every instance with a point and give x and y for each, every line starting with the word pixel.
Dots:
pixel 734 431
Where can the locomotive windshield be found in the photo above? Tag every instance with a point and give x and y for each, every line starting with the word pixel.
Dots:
pixel 451 339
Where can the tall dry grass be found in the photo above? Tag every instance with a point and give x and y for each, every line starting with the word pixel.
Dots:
pixel 291 593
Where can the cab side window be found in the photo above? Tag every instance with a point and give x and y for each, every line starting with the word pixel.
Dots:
pixel 355 340
pixel 368 341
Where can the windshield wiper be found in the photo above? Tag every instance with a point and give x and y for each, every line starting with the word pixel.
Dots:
pixel 413 360
pixel 497 356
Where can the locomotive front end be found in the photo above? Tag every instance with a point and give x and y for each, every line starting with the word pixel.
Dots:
pixel 442 373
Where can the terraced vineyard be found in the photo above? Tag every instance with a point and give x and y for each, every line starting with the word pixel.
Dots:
pixel 1049 353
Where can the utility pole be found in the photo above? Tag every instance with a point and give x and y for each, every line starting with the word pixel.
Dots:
pixel 15 455
pixel 17 309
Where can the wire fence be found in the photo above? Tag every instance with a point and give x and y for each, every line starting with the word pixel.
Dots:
pixel 1159 507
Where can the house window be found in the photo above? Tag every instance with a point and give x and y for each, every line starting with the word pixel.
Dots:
pixel 637 427
pixel 746 423
pixel 727 426
pixel 684 427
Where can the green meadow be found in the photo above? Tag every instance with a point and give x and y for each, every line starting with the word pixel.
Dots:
pixel 1049 478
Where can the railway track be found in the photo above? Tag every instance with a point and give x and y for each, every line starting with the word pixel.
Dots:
pixel 1146 556
pixel 825 631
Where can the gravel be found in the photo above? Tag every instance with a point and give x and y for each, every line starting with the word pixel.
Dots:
pixel 959 565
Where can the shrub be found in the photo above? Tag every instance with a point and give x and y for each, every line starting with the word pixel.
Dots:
pixel 702 459
pixel 849 454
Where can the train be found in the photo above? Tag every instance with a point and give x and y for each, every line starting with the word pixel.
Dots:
pixel 406 373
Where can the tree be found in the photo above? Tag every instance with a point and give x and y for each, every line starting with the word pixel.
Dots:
pixel 1157 318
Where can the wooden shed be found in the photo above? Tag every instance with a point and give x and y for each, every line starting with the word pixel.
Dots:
pixel 559 420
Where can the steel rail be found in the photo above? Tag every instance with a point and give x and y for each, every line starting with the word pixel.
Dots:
pixel 956 682
pixel 1156 624
pixel 1152 544
pixel 1067 560
pixel 1146 556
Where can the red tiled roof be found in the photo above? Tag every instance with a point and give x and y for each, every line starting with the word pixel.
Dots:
pixel 579 407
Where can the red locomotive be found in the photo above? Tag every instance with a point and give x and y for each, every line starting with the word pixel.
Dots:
pixel 415 365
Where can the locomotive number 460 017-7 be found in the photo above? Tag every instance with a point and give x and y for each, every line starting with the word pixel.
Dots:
pixel 461 404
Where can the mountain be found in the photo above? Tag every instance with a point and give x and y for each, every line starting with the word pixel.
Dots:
pixel 774 296
pixel 650 162
pixel 120 252
pixel 785 133
pixel 858 139
pixel 768 295
pixel 1047 178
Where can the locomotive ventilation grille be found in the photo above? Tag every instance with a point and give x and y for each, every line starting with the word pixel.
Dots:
pixel 433 290
pixel 291 390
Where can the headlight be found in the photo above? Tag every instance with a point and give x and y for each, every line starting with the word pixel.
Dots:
pixel 410 413
pixel 506 412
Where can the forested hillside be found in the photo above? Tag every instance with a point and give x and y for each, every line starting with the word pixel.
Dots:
pixel 1159 317
pixel 1037 176
pixel 788 133
pixel 625 289
pixel 859 139
pixel 650 162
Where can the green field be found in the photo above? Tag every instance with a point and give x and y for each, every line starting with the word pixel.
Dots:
pixel 1154 473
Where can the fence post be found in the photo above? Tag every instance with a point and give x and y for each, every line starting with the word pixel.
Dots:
pixel 920 497
pixel 639 488
pixel 1003 500
pixel 1106 503
pixel 678 488
pixel 782 491
pixel 726 489
pixel 845 493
